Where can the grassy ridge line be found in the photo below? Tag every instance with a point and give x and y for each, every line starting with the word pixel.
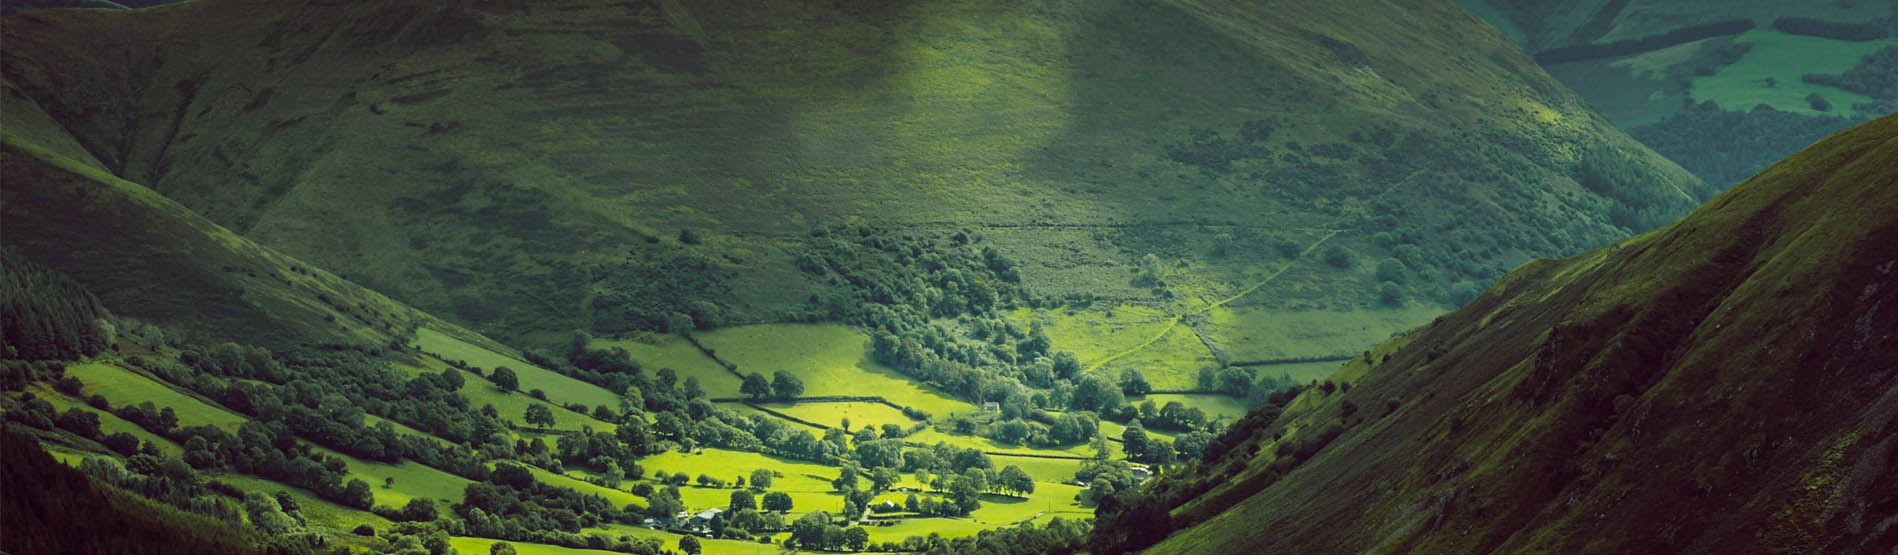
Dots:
pixel 1175 321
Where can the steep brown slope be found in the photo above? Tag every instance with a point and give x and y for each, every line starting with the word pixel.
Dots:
pixel 147 257
pixel 509 162
pixel 1726 384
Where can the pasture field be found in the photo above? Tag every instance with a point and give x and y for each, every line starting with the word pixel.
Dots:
pixel 1170 361
pixel 930 436
pixel 728 465
pixel 1047 502
pixel 1785 58
pixel 710 547
pixel 108 423
pixel 1042 470
pixel 559 388
pixel 1215 405
pixel 318 510
pixel 832 414
pixel 617 497
pixel 513 404
pixel 124 387
pixel 1095 335
pixel 1245 333
pixel 656 351
pixel 412 480
pixel 477 546
pixel 747 410
pixel 831 359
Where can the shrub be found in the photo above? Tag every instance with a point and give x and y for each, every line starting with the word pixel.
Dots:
pixel 1390 270
pixel 1818 102
pixel 1338 256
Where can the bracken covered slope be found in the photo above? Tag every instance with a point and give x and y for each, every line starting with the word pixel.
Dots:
pixel 1725 384
pixel 513 163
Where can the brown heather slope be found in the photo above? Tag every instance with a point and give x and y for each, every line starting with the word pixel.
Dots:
pixel 147 257
pixel 506 163
pixel 1725 384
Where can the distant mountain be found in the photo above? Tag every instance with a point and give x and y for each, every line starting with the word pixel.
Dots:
pixel 1725 384
pixel 536 167
pixel 1723 87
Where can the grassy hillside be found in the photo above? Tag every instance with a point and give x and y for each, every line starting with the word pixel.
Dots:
pixel 150 258
pixel 1723 384
pixel 530 170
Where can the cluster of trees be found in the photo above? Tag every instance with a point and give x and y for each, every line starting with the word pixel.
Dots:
pixel 48 315
pixel 512 505
pixel 1725 147
pixel 54 508
pixel 659 289
pixel 1858 32
pixel 783 386
pixel 816 531
pixel 1875 75
pixel 1644 44
pixel 1128 520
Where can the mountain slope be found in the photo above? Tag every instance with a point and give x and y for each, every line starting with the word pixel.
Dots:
pixel 1725 384
pixel 523 166
pixel 150 258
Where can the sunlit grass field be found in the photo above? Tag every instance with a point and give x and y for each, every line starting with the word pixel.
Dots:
pixel 560 389
pixel 1786 58
pixel 513 405
pixel 108 423
pixel 1215 405
pixel 656 351
pixel 124 387
pixel 831 359
pixel 859 414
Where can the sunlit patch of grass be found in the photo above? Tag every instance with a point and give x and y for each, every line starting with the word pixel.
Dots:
pixel 559 389
pixel 656 351
pixel 831 359
pixel 1785 58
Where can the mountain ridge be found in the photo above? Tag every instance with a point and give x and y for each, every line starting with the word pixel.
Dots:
pixel 1612 400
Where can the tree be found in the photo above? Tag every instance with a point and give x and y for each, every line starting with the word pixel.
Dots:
pixel 357 494
pixel 1013 478
pixel 1132 382
pixel 761 478
pixel 689 544
pixel 1134 441
pixel 846 478
pixel 1390 294
pixel 741 500
pixel 1065 365
pixel 1391 270
pixel 808 530
pixel 1338 256
pixel 856 538
pixel 538 416
pixel 756 386
pixel 419 510
pixel 501 548
pixel 777 501
pixel 504 378
pixel 786 386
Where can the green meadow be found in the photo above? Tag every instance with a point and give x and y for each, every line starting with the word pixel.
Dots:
pixel 656 351
pixel 831 359
pixel 1785 58
pixel 560 389
pixel 833 414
